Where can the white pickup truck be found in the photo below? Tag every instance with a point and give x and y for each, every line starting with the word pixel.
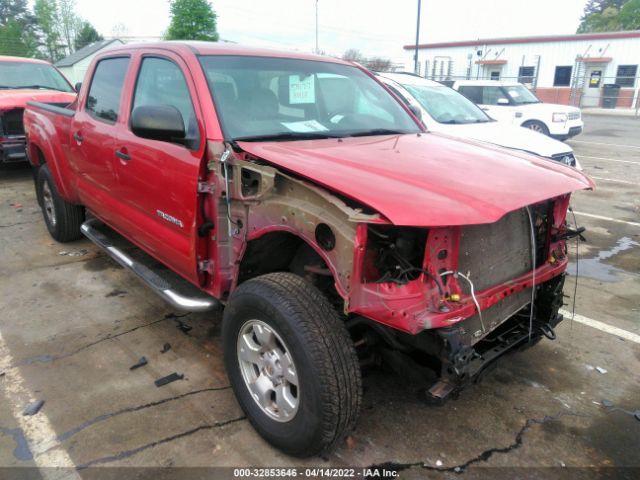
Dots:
pixel 444 110
pixel 512 102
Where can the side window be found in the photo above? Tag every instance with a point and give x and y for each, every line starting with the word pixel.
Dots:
pixel 161 82
pixel 562 76
pixel 473 93
pixel 103 101
pixel 491 95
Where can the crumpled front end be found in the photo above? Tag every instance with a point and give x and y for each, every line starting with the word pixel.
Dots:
pixel 471 286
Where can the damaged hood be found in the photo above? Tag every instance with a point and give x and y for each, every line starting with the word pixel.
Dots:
pixel 426 180
pixel 13 98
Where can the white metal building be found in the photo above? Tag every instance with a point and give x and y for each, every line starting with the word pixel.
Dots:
pixel 75 65
pixel 568 69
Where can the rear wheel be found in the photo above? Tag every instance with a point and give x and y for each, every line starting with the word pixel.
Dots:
pixel 62 218
pixel 536 126
pixel 291 363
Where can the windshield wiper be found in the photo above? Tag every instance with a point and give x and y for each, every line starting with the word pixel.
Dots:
pixel 36 86
pixel 284 136
pixel 377 131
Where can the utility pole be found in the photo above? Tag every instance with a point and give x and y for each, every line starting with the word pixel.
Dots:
pixel 415 55
pixel 317 49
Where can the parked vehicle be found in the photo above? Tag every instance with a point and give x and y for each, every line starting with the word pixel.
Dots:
pixel 296 191
pixel 444 110
pixel 23 80
pixel 513 103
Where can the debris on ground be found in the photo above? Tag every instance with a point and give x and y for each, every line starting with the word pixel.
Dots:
pixel 73 253
pixel 607 403
pixel 168 379
pixel 165 348
pixel 438 463
pixel 601 370
pixel 185 328
pixel 33 408
pixel 141 363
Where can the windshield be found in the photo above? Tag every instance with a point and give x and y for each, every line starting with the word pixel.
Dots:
pixel 286 99
pixel 519 94
pixel 445 105
pixel 14 75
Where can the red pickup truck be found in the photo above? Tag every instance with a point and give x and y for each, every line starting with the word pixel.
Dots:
pixel 23 80
pixel 298 192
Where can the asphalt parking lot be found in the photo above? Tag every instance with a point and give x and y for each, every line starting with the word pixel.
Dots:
pixel 72 322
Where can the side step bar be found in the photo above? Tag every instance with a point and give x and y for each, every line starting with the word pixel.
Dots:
pixel 159 285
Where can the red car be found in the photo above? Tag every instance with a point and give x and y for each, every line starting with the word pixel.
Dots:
pixel 299 193
pixel 23 80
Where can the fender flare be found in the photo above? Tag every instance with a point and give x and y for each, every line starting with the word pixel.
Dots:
pixel 42 152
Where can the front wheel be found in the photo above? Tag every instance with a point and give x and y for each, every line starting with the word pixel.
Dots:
pixel 536 126
pixel 62 218
pixel 291 363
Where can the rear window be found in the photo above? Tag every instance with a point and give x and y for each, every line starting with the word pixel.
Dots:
pixel 103 101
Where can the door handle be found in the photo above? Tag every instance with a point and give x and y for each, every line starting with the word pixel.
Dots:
pixel 78 137
pixel 123 155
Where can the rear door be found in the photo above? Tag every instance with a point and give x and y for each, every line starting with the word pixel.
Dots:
pixel 94 129
pixel 157 180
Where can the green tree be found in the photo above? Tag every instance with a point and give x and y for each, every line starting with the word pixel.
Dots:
pixel 68 23
pixel 47 15
pixel 607 16
pixel 87 35
pixel 14 10
pixel 16 29
pixel 192 20
pixel 629 15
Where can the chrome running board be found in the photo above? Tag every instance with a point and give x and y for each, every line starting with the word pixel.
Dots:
pixel 158 284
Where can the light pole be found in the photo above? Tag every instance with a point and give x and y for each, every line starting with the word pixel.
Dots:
pixel 317 49
pixel 415 55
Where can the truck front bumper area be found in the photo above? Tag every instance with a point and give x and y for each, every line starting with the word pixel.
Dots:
pixel 12 149
pixel 564 131
pixel 463 360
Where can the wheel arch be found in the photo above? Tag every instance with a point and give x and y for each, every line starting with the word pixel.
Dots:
pixel 286 245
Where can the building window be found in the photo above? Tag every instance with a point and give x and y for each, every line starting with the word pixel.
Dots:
pixel 562 77
pixel 495 75
pixel 526 74
pixel 626 76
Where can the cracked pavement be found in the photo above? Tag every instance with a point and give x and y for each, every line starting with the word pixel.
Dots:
pixel 73 325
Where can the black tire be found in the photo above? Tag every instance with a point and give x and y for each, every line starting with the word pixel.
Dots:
pixel 62 218
pixel 536 126
pixel 324 358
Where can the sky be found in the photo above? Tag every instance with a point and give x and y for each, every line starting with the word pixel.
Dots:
pixel 376 28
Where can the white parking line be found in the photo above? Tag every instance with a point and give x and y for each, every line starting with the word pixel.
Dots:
pixel 609 219
pixel 54 464
pixel 604 327
pixel 625 182
pixel 609 159
pixel 605 144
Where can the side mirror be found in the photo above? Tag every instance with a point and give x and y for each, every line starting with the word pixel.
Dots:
pixel 78 86
pixel 158 122
pixel 503 101
pixel 416 111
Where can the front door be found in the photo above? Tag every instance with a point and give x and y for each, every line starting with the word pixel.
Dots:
pixel 594 77
pixel 158 180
